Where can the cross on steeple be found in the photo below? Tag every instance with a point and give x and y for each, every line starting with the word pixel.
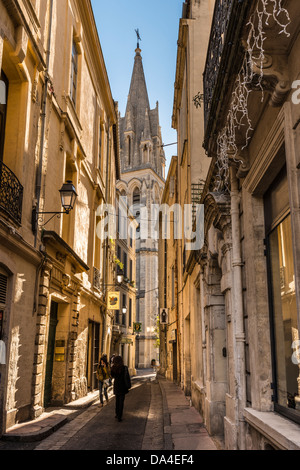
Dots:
pixel 138 38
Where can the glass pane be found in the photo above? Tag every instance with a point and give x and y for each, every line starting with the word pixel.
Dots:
pixel 2 92
pixel 285 315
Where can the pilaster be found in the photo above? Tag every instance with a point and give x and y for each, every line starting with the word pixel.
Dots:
pixel 40 341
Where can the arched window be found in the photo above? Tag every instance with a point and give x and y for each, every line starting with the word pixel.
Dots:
pixel 136 198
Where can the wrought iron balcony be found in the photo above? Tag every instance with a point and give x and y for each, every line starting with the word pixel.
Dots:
pixel 223 57
pixel 196 190
pixel 11 194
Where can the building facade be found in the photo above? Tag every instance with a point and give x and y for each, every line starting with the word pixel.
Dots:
pixel 180 274
pixel 142 182
pixel 58 123
pixel 250 215
pixel 242 366
pixel 124 340
pixel 170 357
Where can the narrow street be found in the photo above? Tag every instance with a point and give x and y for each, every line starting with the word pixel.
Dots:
pixel 157 416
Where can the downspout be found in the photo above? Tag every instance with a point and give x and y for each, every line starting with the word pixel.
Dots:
pixel 43 117
pixel 105 274
pixel 239 335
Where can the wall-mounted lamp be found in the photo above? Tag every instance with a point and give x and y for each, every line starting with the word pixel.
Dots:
pixel 68 197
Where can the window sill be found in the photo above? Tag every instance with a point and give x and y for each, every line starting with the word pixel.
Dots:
pixel 282 432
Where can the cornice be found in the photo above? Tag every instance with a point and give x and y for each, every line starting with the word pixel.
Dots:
pixel 180 67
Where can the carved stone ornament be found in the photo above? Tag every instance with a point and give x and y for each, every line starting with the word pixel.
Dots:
pixel 275 78
pixel 66 280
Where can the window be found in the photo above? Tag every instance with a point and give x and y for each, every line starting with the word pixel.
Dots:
pixel 74 73
pixel 124 304
pixel 125 264
pixel 285 328
pixel 68 220
pixel 117 317
pixel 130 313
pixel 100 148
pixel 3 106
pixel 119 253
pixel 130 270
pixel 3 299
pixel 136 199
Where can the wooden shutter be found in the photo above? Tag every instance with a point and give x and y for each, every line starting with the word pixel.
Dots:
pixel 3 289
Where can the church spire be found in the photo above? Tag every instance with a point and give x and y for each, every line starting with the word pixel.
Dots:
pixel 140 125
pixel 138 100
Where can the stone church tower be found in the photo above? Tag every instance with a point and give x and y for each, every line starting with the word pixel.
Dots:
pixel 142 182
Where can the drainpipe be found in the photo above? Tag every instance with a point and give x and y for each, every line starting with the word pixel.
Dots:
pixel 237 293
pixel 105 264
pixel 43 116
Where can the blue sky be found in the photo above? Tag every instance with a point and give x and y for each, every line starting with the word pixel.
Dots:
pixel 158 23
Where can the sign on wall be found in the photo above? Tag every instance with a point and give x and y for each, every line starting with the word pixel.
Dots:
pixel 113 301
pixel 137 327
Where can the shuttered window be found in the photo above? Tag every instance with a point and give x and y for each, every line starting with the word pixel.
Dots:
pixel 3 289
pixel 3 298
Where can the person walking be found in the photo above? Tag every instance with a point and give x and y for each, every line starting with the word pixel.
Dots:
pixel 104 377
pixel 112 360
pixel 122 384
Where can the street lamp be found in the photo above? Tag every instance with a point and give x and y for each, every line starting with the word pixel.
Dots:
pixel 68 198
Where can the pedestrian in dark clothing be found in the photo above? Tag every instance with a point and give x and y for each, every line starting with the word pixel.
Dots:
pixel 122 384
pixel 104 377
pixel 112 360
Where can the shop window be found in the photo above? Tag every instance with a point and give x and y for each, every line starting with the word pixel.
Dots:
pixel 284 322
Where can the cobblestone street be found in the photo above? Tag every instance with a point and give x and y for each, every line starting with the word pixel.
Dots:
pixel 157 416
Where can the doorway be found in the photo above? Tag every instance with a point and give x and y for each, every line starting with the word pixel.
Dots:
pixel 50 353
pixel 93 354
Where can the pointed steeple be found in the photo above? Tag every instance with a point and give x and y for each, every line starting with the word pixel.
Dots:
pixel 141 123
pixel 138 99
